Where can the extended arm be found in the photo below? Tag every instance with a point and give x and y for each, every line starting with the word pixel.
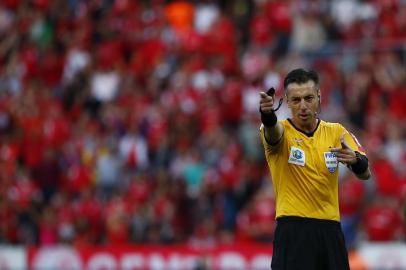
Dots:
pixel 273 130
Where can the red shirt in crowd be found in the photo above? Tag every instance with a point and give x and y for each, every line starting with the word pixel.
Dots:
pixel 383 223
pixel 351 196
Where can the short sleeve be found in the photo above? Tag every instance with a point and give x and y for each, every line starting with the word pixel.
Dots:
pixel 353 142
pixel 269 148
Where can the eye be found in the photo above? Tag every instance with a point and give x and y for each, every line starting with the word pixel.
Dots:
pixel 295 100
pixel 309 98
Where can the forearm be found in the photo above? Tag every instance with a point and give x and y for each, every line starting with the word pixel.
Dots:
pixel 273 134
pixel 365 175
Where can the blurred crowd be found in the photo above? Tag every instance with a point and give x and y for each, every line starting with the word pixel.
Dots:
pixel 125 122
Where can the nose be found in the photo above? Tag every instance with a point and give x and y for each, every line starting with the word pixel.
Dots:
pixel 302 104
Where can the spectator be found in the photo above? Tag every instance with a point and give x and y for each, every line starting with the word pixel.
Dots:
pixel 135 115
pixel 383 221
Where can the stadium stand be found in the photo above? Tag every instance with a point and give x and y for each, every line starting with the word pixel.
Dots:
pixel 137 121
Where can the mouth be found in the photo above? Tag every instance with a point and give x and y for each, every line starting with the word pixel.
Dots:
pixel 304 116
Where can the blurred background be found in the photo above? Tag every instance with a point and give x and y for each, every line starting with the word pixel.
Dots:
pixel 136 122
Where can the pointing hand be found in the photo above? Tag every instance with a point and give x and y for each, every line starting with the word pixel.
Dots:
pixel 345 154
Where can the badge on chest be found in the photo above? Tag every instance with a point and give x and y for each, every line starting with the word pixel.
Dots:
pixel 297 156
pixel 330 159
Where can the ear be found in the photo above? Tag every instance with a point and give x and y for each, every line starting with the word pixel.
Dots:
pixel 287 100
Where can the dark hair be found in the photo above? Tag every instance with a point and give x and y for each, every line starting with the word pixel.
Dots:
pixel 300 76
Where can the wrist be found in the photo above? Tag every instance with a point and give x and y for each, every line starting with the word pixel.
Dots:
pixel 268 119
pixel 361 164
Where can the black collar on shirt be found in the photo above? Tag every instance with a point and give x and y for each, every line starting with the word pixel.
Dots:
pixel 308 134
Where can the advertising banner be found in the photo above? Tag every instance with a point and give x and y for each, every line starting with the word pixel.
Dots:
pixel 386 256
pixel 252 257
pixel 12 258
pixel 374 256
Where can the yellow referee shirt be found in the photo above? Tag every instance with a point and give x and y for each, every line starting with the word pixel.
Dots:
pixel 304 171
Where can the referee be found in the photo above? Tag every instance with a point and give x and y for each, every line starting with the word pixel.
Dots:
pixel 303 153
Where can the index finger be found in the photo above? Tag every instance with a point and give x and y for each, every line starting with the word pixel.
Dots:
pixel 343 143
pixel 263 94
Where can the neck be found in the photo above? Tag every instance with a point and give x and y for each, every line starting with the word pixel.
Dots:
pixel 306 127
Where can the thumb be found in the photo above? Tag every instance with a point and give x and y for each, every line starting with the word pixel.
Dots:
pixel 343 143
